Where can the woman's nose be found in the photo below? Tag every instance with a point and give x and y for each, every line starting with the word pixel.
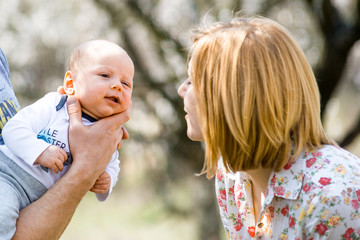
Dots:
pixel 182 90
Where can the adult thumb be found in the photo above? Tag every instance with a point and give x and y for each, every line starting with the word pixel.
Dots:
pixel 74 110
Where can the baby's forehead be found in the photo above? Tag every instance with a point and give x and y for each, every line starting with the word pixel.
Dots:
pixel 99 52
pixel 101 47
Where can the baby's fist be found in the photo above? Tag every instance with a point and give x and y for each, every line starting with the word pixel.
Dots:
pixel 52 157
pixel 102 184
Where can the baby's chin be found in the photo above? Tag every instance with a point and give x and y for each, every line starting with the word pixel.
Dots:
pixel 109 114
pixel 98 115
pixel 106 113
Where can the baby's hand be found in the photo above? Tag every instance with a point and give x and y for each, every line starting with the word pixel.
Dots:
pixel 52 157
pixel 102 184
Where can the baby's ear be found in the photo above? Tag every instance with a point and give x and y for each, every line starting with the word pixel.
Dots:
pixel 69 83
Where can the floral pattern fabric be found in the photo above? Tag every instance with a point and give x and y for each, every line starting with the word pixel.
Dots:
pixel 315 197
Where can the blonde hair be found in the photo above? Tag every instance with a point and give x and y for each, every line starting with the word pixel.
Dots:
pixel 257 95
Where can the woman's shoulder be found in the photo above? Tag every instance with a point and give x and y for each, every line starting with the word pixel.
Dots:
pixel 330 194
pixel 331 167
pixel 325 157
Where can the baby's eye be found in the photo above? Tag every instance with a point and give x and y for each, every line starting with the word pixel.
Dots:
pixel 105 75
pixel 126 83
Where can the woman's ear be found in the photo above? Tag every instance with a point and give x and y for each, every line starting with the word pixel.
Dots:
pixel 69 83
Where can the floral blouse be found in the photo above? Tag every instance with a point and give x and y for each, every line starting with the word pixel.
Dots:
pixel 315 197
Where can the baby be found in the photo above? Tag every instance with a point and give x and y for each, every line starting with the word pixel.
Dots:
pixel 100 75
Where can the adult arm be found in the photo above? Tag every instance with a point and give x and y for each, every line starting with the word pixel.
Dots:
pixel 48 217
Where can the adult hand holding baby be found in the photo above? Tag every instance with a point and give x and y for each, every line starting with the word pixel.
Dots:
pixel 113 134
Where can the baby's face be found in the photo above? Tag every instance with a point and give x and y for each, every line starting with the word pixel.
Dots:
pixel 104 82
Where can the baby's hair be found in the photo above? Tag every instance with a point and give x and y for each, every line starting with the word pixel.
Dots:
pixel 76 55
pixel 74 58
pixel 79 51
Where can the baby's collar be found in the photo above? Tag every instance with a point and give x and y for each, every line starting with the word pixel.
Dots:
pixel 62 103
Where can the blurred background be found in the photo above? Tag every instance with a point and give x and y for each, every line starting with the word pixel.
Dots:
pixel 158 195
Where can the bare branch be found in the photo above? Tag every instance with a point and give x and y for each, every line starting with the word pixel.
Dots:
pixel 157 30
pixel 351 135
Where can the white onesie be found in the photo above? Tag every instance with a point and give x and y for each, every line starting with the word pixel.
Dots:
pixel 38 125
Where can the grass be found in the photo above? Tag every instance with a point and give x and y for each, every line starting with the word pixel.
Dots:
pixel 127 215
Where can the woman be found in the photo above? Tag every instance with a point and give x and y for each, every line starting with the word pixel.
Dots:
pixel 253 98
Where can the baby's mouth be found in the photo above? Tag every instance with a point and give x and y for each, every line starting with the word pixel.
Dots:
pixel 114 99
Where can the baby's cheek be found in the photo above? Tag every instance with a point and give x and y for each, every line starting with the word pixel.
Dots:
pixel 126 101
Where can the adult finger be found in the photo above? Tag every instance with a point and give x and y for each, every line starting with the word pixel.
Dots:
pixel 117 120
pixel 119 145
pixel 125 133
pixel 74 110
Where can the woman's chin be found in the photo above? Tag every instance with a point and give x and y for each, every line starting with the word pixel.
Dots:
pixel 197 137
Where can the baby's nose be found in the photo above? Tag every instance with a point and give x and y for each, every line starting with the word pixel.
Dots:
pixel 117 87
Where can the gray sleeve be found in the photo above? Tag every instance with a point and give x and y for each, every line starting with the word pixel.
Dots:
pixel 9 104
